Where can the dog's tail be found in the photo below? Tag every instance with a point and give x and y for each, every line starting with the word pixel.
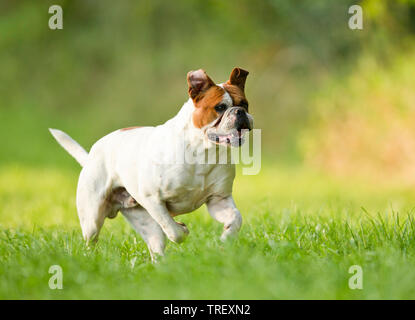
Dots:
pixel 70 145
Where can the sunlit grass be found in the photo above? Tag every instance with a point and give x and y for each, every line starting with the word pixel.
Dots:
pixel 302 231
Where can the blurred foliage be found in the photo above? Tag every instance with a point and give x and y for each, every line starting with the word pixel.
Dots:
pixel 117 64
pixel 363 124
pixel 362 120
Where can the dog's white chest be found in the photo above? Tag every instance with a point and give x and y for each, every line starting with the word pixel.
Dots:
pixel 192 185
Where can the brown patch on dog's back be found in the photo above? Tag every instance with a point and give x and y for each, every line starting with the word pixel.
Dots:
pixel 129 128
pixel 205 104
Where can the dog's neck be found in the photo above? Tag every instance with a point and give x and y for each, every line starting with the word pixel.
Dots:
pixel 183 124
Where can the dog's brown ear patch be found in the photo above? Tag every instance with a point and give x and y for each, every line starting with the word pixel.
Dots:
pixel 205 111
pixel 238 78
pixel 237 95
pixel 205 95
pixel 199 82
pixel 235 86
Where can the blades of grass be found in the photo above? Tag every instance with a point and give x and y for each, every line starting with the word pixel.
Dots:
pixel 356 240
pixel 384 228
pixel 370 218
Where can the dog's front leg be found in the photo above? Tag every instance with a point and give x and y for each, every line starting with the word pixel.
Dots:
pixel 225 211
pixel 176 232
pixel 149 230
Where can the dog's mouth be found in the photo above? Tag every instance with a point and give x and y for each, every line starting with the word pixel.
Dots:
pixel 228 130
pixel 234 138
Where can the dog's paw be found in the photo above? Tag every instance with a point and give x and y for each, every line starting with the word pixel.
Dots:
pixel 228 233
pixel 180 234
pixel 184 227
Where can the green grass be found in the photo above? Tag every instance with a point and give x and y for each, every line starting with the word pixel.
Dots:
pixel 301 233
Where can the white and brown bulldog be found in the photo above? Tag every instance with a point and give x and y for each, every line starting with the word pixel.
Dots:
pixel 136 170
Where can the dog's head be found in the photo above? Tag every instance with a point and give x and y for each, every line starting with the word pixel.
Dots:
pixel 221 111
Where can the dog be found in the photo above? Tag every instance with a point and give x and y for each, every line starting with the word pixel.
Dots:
pixel 134 170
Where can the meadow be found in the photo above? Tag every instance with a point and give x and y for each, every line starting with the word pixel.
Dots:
pixel 301 234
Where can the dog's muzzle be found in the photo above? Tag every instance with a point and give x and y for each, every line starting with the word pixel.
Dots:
pixel 231 127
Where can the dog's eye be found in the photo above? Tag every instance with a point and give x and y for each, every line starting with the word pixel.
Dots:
pixel 220 107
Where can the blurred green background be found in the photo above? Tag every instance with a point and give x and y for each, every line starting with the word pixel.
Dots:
pixel 124 63
pixel 336 108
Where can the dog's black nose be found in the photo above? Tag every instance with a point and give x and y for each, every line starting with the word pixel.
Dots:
pixel 241 119
pixel 243 126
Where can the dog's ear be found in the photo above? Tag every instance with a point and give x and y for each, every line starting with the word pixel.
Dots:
pixel 238 78
pixel 198 82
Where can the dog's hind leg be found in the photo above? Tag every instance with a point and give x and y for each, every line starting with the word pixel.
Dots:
pixel 91 216
pixel 91 202
pixel 148 228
